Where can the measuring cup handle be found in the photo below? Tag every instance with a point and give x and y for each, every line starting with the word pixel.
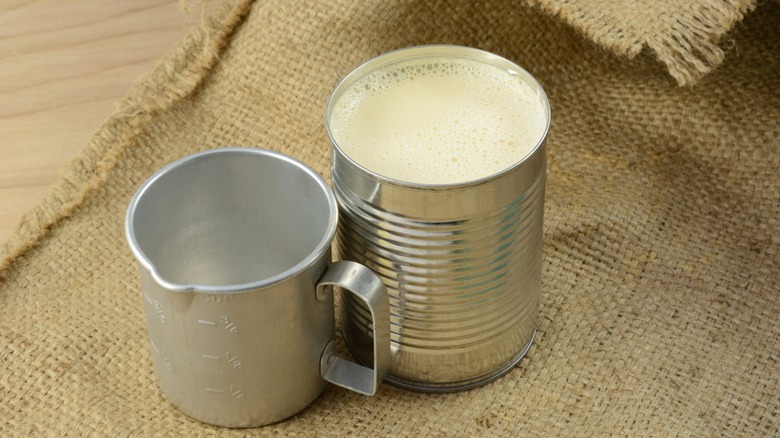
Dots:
pixel 364 284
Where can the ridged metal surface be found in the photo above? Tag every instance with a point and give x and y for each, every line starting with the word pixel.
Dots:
pixel 463 294
pixel 462 262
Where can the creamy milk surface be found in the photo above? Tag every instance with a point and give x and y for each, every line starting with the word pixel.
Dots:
pixel 438 120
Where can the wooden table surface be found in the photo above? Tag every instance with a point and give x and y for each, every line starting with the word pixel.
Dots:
pixel 63 67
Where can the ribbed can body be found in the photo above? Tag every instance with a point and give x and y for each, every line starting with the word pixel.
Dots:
pixel 464 293
pixel 462 262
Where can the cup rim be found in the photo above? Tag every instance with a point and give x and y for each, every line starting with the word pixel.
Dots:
pixel 394 56
pixel 321 248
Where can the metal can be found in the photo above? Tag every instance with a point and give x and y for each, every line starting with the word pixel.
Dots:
pixel 461 261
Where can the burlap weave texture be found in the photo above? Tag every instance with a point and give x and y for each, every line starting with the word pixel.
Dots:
pixel 683 34
pixel 660 302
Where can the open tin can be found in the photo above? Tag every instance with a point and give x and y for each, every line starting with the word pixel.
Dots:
pixel 461 261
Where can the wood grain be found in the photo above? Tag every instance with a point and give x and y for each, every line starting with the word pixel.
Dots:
pixel 63 67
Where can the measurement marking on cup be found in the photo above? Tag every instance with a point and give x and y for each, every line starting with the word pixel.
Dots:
pixel 234 392
pixel 224 320
pixel 166 361
pixel 234 360
pixel 229 326
pixel 216 298
pixel 156 305
pixel 231 359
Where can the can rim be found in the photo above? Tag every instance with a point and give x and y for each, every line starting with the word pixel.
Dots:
pixel 394 56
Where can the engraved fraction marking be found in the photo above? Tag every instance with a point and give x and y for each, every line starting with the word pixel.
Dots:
pixel 234 392
pixel 231 359
pixel 156 305
pixel 224 320
pixel 166 360
pixel 229 326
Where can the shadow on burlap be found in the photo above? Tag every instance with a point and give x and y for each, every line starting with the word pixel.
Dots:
pixel 660 302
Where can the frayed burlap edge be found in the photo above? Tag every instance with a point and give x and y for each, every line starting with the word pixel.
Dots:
pixel 687 46
pixel 685 40
pixel 177 76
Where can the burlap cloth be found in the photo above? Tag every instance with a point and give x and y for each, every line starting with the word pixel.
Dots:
pixel 660 303
pixel 683 34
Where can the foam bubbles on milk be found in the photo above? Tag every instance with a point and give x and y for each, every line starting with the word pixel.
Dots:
pixel 438 120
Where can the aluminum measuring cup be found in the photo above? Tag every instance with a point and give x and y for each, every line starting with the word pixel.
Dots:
pixel 462 261
pixel 236 277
